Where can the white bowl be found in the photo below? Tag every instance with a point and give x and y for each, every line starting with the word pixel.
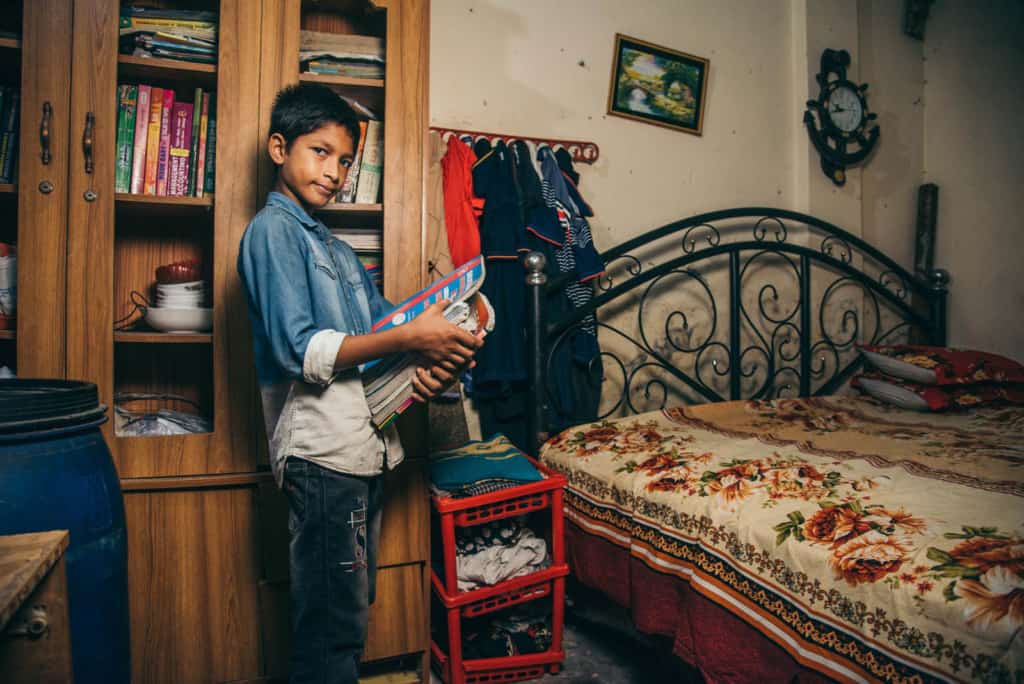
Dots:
pixel 180 301
pixel 193 286
pixel 183 320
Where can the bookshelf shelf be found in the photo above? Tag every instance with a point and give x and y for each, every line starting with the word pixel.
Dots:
pixel 330 79
pixel 144 69
pixel 8 188
pixel 163 338
pixel 10 44
pixel 359 210
pixel 151 204
pixel 7 335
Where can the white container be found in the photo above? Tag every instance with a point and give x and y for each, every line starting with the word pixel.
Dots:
pixel 179 320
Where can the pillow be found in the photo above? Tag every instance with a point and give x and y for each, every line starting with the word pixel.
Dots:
pixel 917 397
pixel 942 366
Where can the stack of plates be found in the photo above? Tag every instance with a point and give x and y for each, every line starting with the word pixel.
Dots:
pixel 179 308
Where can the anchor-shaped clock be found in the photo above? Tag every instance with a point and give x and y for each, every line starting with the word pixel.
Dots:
pixel 840 131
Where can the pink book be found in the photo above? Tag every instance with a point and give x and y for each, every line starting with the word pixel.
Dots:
pixel 165 142
pixel 181 149
pixel 141 126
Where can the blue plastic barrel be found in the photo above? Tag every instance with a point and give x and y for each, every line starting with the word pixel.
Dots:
pixel 56 473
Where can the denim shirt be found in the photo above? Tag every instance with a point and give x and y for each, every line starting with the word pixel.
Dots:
pixel 306 292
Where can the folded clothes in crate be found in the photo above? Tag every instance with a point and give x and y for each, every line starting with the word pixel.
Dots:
pixel 479 467
pixel 497 563
pixel 522 632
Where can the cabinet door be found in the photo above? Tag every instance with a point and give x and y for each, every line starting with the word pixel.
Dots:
pixel 116 241
pixel 42 187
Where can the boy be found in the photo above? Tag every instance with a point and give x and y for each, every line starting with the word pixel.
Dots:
pixel 311 305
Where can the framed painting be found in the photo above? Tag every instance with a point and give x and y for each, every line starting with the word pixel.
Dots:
pixel 657 85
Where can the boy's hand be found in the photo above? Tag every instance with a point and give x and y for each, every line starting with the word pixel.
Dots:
pixel 439 341
pixel 430 382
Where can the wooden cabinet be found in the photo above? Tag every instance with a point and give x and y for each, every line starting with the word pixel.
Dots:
pixel 207 527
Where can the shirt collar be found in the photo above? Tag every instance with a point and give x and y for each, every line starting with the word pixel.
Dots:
pixel 277 199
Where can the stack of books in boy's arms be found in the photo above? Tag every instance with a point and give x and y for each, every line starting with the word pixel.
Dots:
pixel 371 262
pixel 165 146
pixel 188 35
pixel 362 184
pixel 10 115
pixel 341 54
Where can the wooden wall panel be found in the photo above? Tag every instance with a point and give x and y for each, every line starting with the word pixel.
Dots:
pixel 42 217
pixel 192 580
pixel 399 614
pixel 405 529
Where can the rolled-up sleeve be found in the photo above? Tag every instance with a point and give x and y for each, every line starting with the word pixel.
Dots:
pixel 272 266
pixel 321 353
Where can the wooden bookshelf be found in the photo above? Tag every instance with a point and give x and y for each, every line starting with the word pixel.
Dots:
pixel 7 335
pixel 152 204
pixel 331 79
pixel 163 338
pixel 10 44
pixel 147 69
pixel 8 188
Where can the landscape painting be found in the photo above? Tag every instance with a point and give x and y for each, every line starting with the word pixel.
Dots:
pixel 657 85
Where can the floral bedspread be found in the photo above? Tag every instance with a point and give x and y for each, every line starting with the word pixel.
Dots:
pixel 870 543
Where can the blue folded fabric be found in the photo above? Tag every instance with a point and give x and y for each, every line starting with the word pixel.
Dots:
pixel 494 458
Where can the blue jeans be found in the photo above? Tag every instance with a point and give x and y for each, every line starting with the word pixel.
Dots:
pixel 334 522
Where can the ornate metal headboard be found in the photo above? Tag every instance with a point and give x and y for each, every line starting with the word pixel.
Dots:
pixel 801 294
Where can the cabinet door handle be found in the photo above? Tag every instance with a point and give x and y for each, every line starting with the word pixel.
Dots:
pixel 44 131
pixel 90 121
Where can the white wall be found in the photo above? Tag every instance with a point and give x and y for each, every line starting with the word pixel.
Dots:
pixel 974 152
pixel 948 109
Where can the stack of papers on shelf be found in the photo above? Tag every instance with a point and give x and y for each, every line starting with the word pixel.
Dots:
pixel 388 382
pixel 187 35
pixel 360 239
pixel 342 54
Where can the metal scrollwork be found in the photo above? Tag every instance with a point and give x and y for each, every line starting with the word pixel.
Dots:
pixel 689 243
pixel 837 248
pixel 633 268
pixel 888 277
pixel 760 231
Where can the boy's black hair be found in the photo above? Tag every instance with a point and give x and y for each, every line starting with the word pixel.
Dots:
pixel 302 108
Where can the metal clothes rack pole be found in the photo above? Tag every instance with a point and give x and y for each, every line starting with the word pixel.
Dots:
pixel 582 151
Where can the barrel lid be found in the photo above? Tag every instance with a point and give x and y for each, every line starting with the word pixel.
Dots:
pixel 30 404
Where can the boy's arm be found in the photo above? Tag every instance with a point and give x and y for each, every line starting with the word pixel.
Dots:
pixel 431 335
pixel 272 266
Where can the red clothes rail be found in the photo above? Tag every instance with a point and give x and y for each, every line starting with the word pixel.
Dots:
pixel 582 151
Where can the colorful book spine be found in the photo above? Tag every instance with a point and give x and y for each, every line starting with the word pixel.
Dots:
pixel 157 23
pixel 181 149
pixel 372 165
pixel 156 106
pixel 211 149
pixel 197 108
pixel 10 136
pixel 348 188
pixel 142 103
pixel 165 143
pixel 125 137
pixel 5 101
pixel 204 122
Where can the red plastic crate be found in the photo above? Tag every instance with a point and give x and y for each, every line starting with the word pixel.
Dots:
pixel 492 670
pixel 502 595
pixel 505 503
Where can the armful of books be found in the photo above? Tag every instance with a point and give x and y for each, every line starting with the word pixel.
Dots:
pixel 388 383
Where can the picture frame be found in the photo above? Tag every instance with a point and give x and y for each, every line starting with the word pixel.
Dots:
pixel 657 85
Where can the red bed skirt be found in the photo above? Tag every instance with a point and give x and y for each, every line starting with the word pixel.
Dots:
pixel 721 645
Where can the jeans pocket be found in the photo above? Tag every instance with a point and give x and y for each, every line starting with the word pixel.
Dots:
pixel 295 485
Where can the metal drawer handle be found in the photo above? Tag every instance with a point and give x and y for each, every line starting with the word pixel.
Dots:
pixel 44 131
pixel 90 121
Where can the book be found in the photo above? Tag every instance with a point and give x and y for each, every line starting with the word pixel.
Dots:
pixel 183 56
pixel 348 188
pixel 211 149
pixel 204 122
pixel 180 150
pixel 5 101
pixel 387 382
pixel 127 100
pixel 164 149
pixel 9 142
pixel 156 106
pixel 142 105
pixel 371 166
pixel 197 108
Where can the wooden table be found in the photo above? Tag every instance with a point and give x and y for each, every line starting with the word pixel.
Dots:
pixel 35 637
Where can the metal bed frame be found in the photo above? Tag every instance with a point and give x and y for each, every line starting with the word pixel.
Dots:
pixel 804 350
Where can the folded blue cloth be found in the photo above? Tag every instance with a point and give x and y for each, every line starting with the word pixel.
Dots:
pixel 494 458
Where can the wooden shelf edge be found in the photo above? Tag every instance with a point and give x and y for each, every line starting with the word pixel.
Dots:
pixel 163 338
pixel 140 484
pixel 133 200
pixel 345 208
pixel 331 79
pixel 169 65
pixel 10 43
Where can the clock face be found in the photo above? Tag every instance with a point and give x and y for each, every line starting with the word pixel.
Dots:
pixel 845 108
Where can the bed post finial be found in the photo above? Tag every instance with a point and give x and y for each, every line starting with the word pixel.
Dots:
pixel 536 279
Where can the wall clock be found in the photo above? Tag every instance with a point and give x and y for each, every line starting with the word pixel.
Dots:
pixel 838 122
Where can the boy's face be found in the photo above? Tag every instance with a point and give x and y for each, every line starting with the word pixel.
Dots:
pixel 312 169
